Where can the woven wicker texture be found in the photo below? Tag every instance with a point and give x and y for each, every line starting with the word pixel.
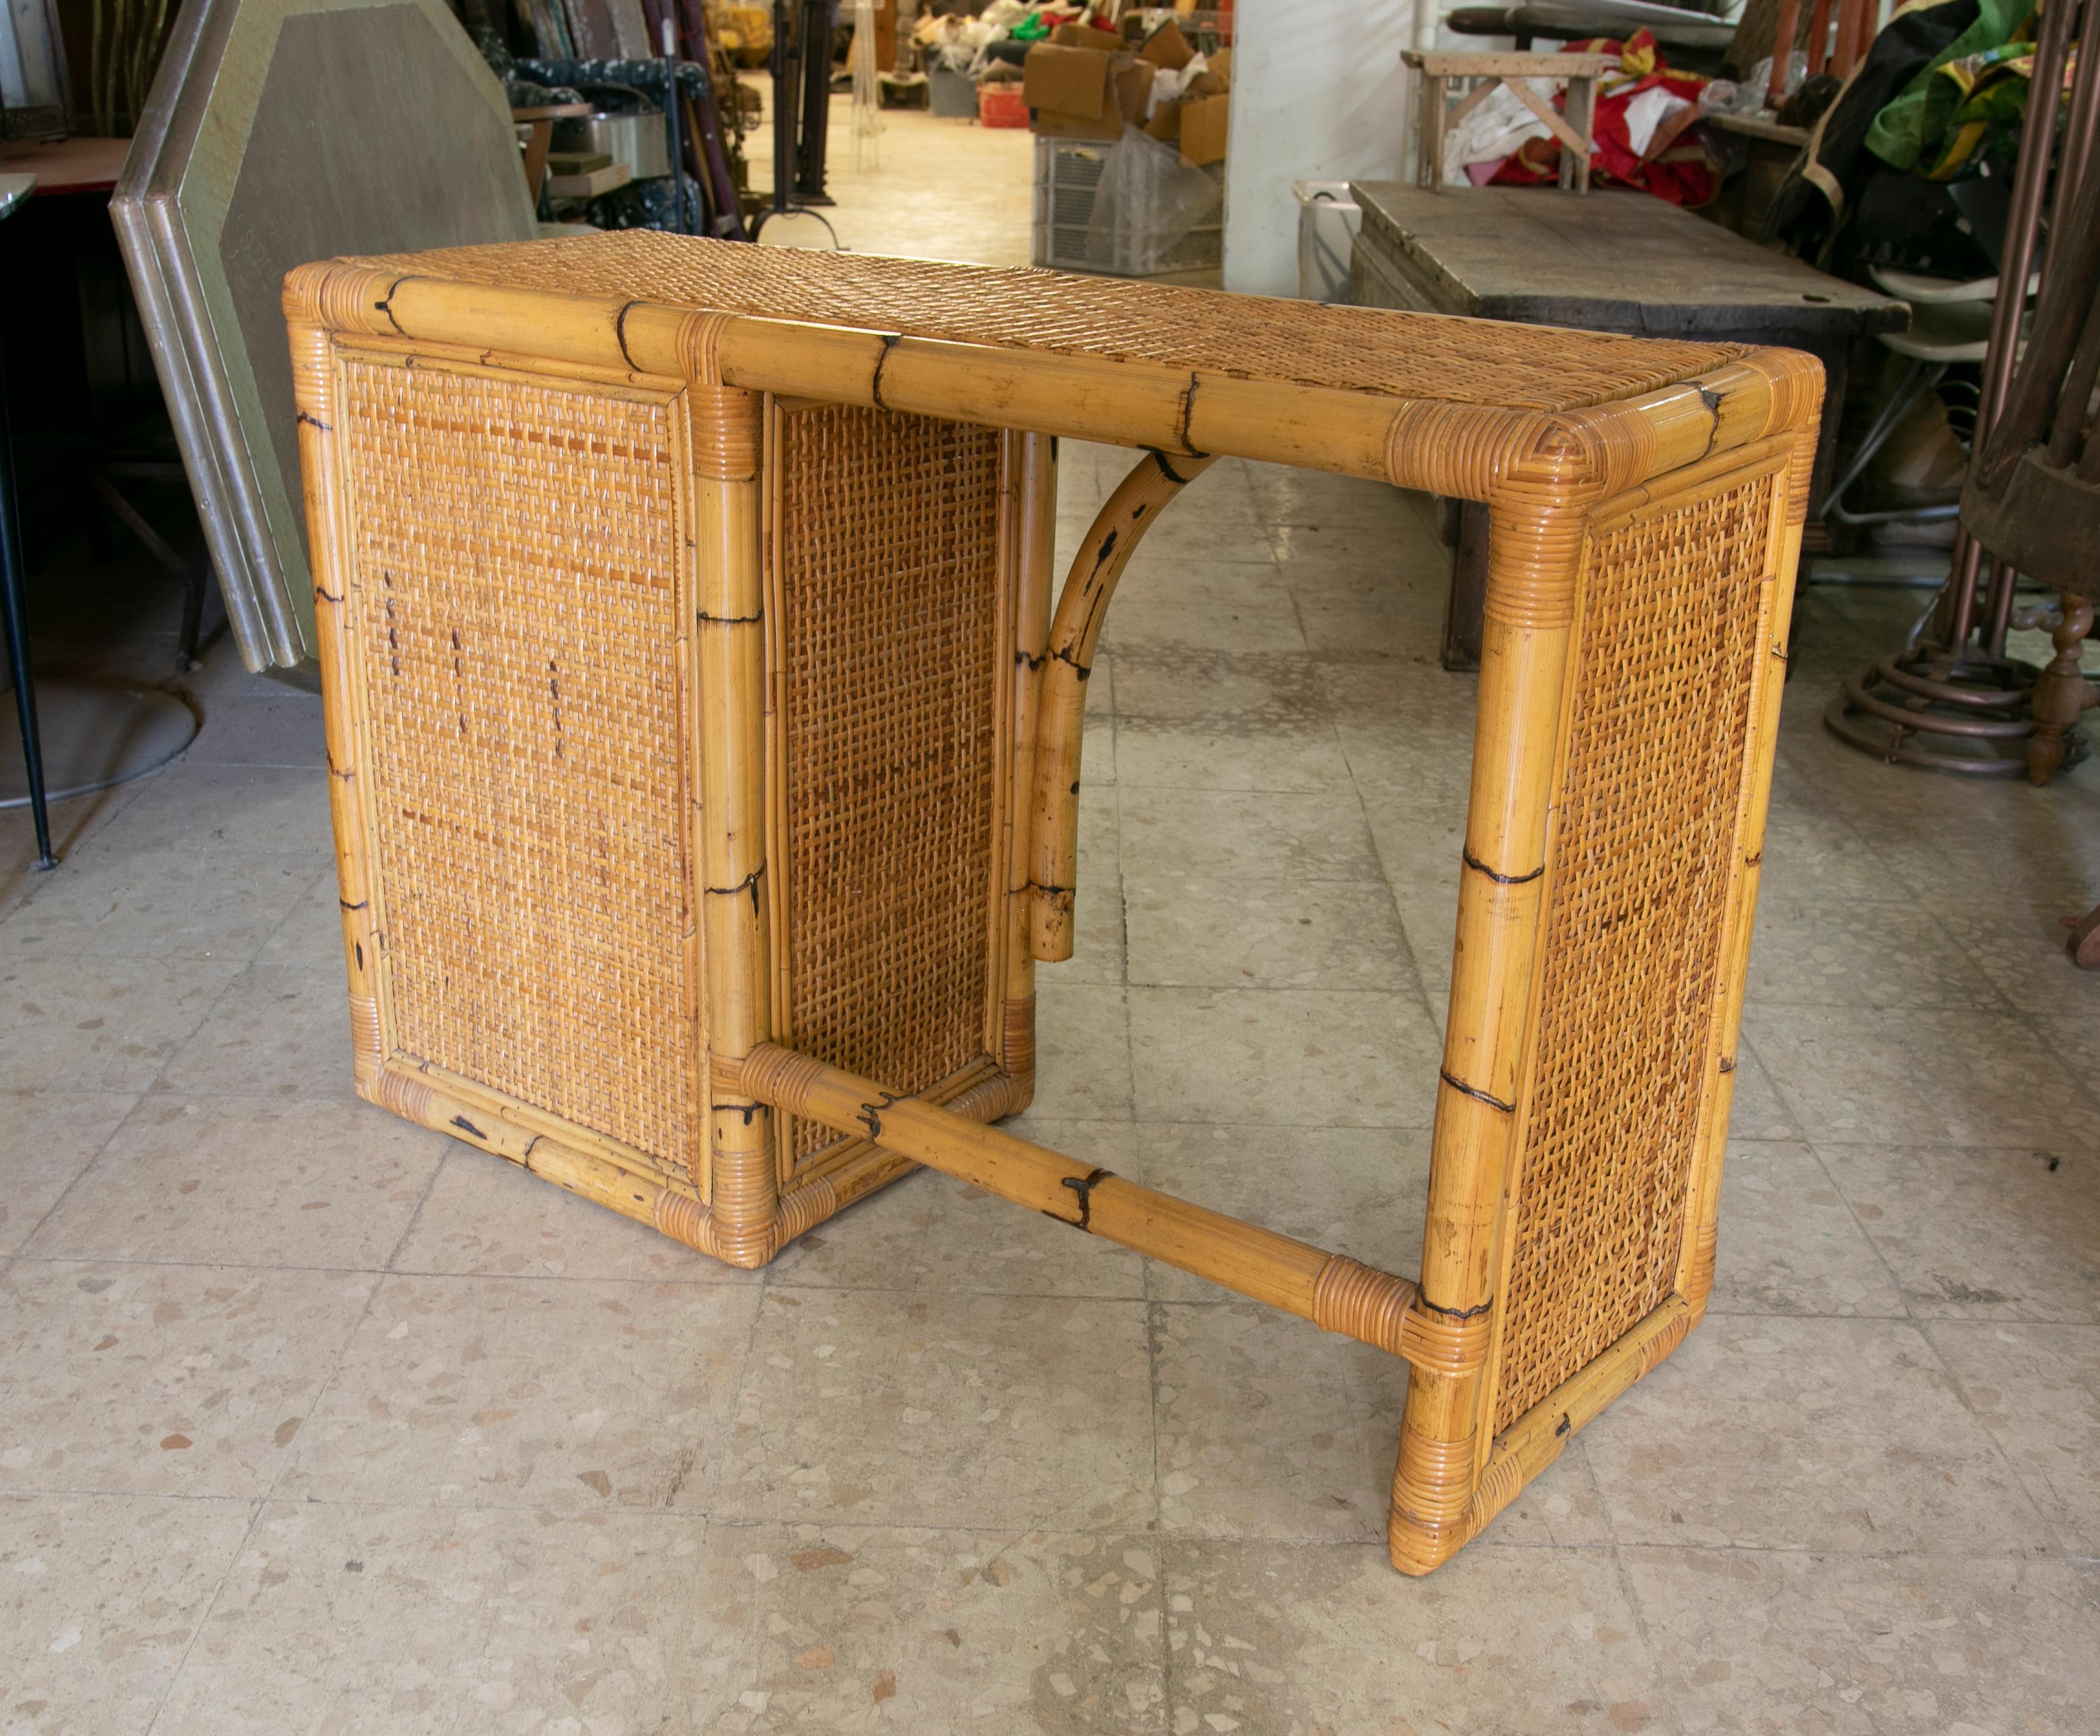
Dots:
pixel 1408 354
pixel 888 574
pixel 516 600
pixel 1649 809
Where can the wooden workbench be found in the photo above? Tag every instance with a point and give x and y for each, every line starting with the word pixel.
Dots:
pixel 1619 261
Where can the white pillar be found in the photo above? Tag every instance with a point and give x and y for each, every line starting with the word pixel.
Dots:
pixel 1318 94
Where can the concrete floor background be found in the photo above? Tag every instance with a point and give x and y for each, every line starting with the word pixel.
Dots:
pixel 310 1420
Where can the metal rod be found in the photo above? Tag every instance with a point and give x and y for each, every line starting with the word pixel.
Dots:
pixel 15 606
pixel 2037 145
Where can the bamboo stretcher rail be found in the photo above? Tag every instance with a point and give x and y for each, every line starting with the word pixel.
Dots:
pixel 1333 1291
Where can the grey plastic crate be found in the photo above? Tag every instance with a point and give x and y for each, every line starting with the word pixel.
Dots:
pixel 1068 171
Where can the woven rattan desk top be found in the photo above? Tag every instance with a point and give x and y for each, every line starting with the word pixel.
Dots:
pixel 1402 355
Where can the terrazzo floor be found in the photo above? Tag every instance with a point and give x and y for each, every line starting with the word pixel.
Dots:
pixel 310 1420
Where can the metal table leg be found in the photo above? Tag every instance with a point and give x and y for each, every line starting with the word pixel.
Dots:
pixel 15 606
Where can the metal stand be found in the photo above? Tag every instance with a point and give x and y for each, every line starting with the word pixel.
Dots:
pixel 787 70
pixel 1953 700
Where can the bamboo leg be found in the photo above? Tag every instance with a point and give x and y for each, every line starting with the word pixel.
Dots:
pixel 1082 606
pixel 1524 654
pixel 1036 534
pixel 1331 1290
pixel 726 434
pixel 313 386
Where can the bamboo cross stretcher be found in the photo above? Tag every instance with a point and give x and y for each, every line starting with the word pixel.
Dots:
pixel 706 752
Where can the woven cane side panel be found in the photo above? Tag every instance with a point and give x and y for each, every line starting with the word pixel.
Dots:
pixel 888 569
pixel 516 613
pixel 1642 856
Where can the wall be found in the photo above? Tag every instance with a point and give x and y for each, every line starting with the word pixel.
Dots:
pixel 1318 94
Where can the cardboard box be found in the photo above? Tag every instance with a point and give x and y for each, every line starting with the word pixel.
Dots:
pixel 1085 36
pixel 1119 88
pixel 1166 123
pixel 1133 88
pixel 1203 84
pixel 1168 49
pixel 1046 123
pixel 1203 130
pixel 1221 64
pixel 1074 82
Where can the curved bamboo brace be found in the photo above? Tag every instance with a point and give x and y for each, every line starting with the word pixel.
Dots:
pixel 1082 606
pixel 1332 1291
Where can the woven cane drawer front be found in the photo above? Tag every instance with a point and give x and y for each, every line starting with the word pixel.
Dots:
pixel 515 612
pixel 887 568
pixel 1643 853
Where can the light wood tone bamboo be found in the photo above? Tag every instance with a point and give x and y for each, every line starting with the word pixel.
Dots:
pixel 1619 475
pixel 725 430
pixel 1034 472
pixel 1082 608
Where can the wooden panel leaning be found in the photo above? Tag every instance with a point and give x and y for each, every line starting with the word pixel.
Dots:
pixel 706 751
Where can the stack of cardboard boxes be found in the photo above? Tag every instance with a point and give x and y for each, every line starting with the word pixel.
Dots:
pixel 1084 83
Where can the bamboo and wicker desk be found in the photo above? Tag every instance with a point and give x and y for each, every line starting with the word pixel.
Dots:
pixel 705 752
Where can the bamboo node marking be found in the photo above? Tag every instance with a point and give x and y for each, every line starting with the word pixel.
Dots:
pixel 1084 1186
pixel 1472 861
pixel 1463 1090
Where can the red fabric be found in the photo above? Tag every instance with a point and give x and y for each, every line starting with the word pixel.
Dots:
pixel 1680 172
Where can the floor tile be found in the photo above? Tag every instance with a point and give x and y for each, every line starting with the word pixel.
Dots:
pixel 1757 1110
pixel 279 1030
pixel 1328 1637
pixel 1253 691
pixel 1756 1640
pixel 1285 495
pixel 859 1627
pixel 1282 1055
pixel 1209 607
pixel 1360 1191
pixel 160 903
pixel 100 1597
pixel 880 1407
pixel 52 1135
pixel 311 932
pixel 195 807
pixel 1220 834
pixel 1844 1436
pixel 562 1395
pixel 1163 754
pixel 163 1380
pixel 487 1217
pixel 1789 1244
pixel 1097 911
pixel 1989 1234
pixel 71 1024
pixel 374 1620
pixel 276 729
pixel 1270 1427
pixel 1082 1051
pixel 1202 932
pixel 246 1181
pixel 2037 1389
pixel 1924 1075
pixel 1850 952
